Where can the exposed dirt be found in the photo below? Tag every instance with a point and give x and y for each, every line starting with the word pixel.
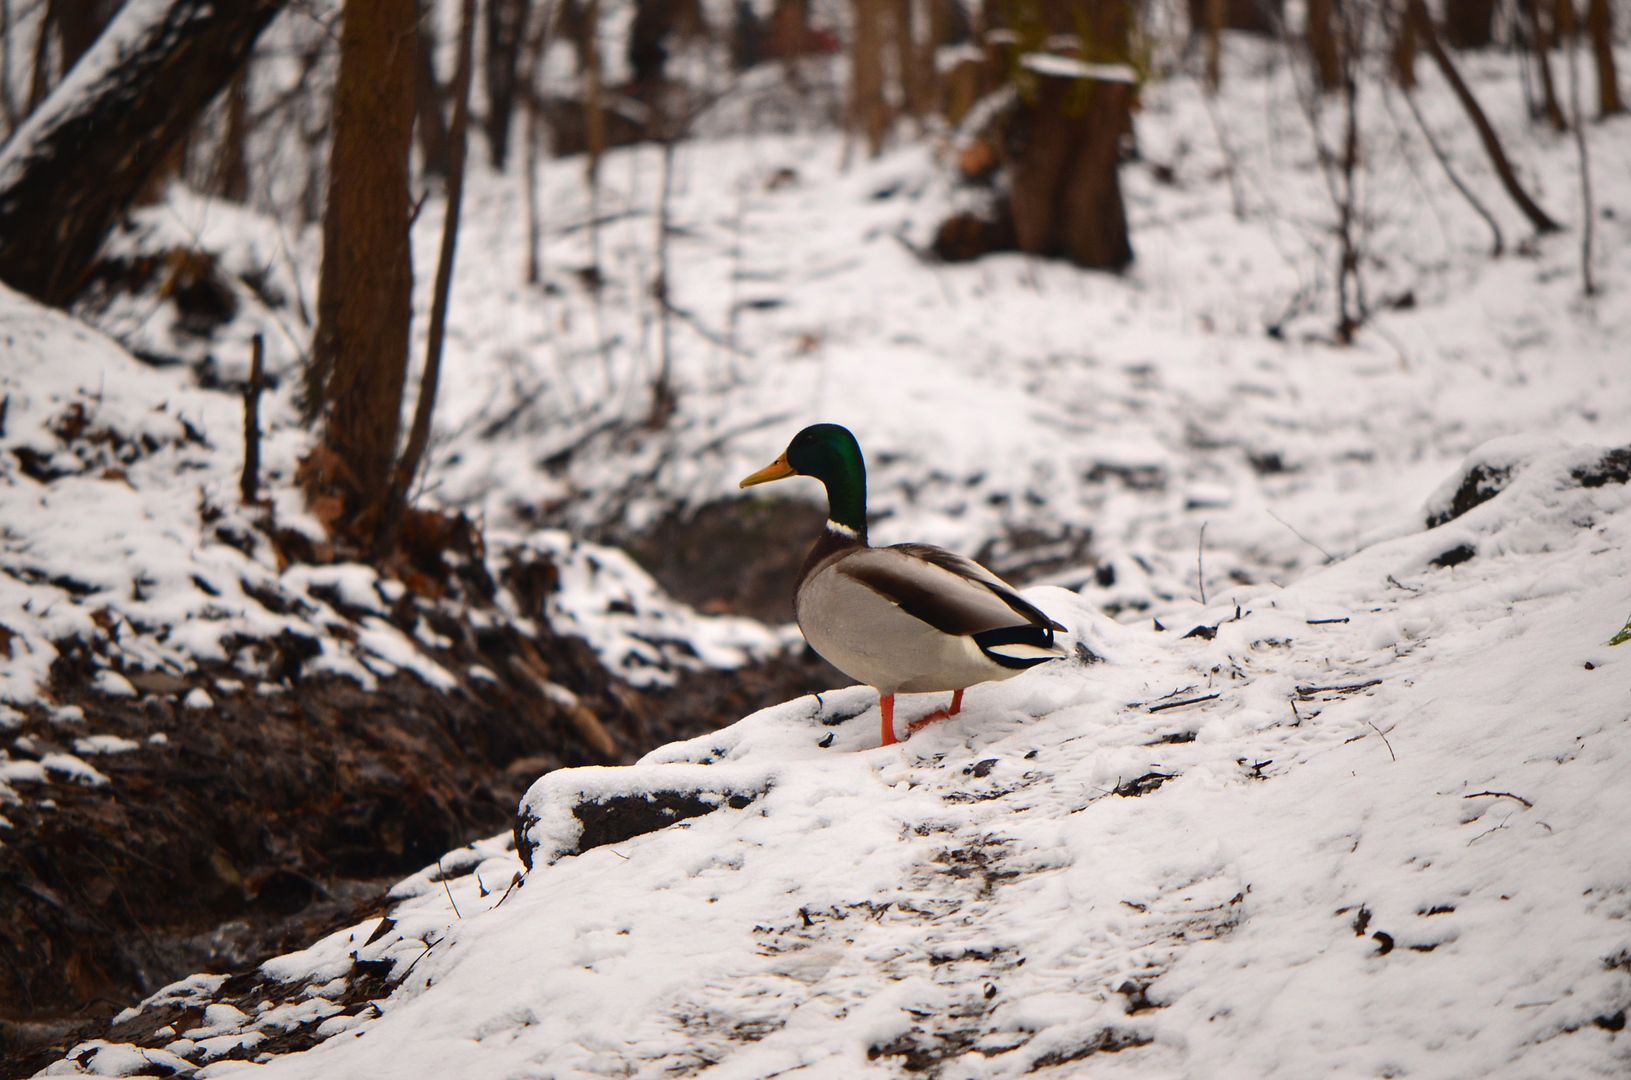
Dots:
pixel 740 556
pixel 287 808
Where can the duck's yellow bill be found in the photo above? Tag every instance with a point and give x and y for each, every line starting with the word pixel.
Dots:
pixel 776 470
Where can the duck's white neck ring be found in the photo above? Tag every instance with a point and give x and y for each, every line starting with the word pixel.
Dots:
pixel 842 530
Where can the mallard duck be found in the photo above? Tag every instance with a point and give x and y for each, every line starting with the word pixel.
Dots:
pixel 910 618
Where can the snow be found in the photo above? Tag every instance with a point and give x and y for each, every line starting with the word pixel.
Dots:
pixel 1066 67
pixel 1359 859
pixel 1369 821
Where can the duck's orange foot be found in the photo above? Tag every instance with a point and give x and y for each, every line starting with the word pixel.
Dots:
pixel 886 703
pixel 936 716
pixel 924 721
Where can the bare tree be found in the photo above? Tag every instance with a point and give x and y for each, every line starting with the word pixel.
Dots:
pixel 506 26
pixel 1600 25
pixel 1323 44
pixel 359 354
pixel 435 148
pixel 84 155
pixel 1570 32
pixel 1540 45
pixel 1428 36
pixel 868 108
pixel 1469 24
pixel 413 454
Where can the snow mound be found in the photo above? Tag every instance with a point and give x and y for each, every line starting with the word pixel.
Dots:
pixel 1366 824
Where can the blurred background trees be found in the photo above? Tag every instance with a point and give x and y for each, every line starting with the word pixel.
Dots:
pixel 1031 106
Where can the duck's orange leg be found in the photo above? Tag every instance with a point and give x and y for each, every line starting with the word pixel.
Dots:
pixel 887 703
pixel 937 715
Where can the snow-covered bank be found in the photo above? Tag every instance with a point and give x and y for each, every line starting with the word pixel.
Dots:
pixel 1373 826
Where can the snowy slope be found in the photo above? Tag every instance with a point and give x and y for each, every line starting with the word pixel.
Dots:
pixel 1384 838
pixel 1390 845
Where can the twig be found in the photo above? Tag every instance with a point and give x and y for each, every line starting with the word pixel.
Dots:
pixel 1527 805
pixel 1180 704
pixel 514 881
pixel 429 945
pixel 1486 832
pixel 1325 622
pixel 249 482
pixel 1310 691
pixel 457 914
pixel 1328 556
pixel 1385 743
pixel 1200 567
pixel 1498 243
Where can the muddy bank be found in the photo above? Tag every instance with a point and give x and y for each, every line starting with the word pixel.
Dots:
pixel 220 835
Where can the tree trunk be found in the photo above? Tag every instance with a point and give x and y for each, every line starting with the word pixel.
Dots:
pixel 1064 151
pixel 1210 27
pixel 1600 25
pixel 79 23
pixel 1428 36
pixel 1540 44
pixel 906 58
pixel 506 25
pixel 76 164
pixel 1403 53
pixel 360 351
pixel 1323 46
pixel 435 148
pixel 869 112
pixel 1469 24
pixel 231 178
pixel 1246 16
pixel 648 41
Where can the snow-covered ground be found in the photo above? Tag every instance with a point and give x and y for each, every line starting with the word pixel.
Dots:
pixel 1372 826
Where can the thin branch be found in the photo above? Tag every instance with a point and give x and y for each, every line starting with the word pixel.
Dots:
pixel 1428 35
pixel 1385 743
pixel 1346 688
pixel 1328 556
pixel 1200 566
pixel 1566 10
pixel 419 436
pixel 1498 243
pixel 457 913
pixel 1180 704
pixel 1527 805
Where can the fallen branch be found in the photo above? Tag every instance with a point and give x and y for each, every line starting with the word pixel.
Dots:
pixel 1527 805
pixel 1181 704
pixel 1350 688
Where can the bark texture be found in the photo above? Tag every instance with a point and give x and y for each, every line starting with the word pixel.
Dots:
pixel 1064 151
pixel 1600 26
pixel 86 153
pixel 359 355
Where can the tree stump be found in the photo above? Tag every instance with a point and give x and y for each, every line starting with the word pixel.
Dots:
pixel 1062 147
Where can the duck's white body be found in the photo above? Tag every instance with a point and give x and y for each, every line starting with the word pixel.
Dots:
pixel 904 619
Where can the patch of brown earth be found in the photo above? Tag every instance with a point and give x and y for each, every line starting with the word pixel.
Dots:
pixel 285 809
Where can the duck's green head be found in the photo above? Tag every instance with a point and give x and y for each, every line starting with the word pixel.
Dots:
pixel 829 453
